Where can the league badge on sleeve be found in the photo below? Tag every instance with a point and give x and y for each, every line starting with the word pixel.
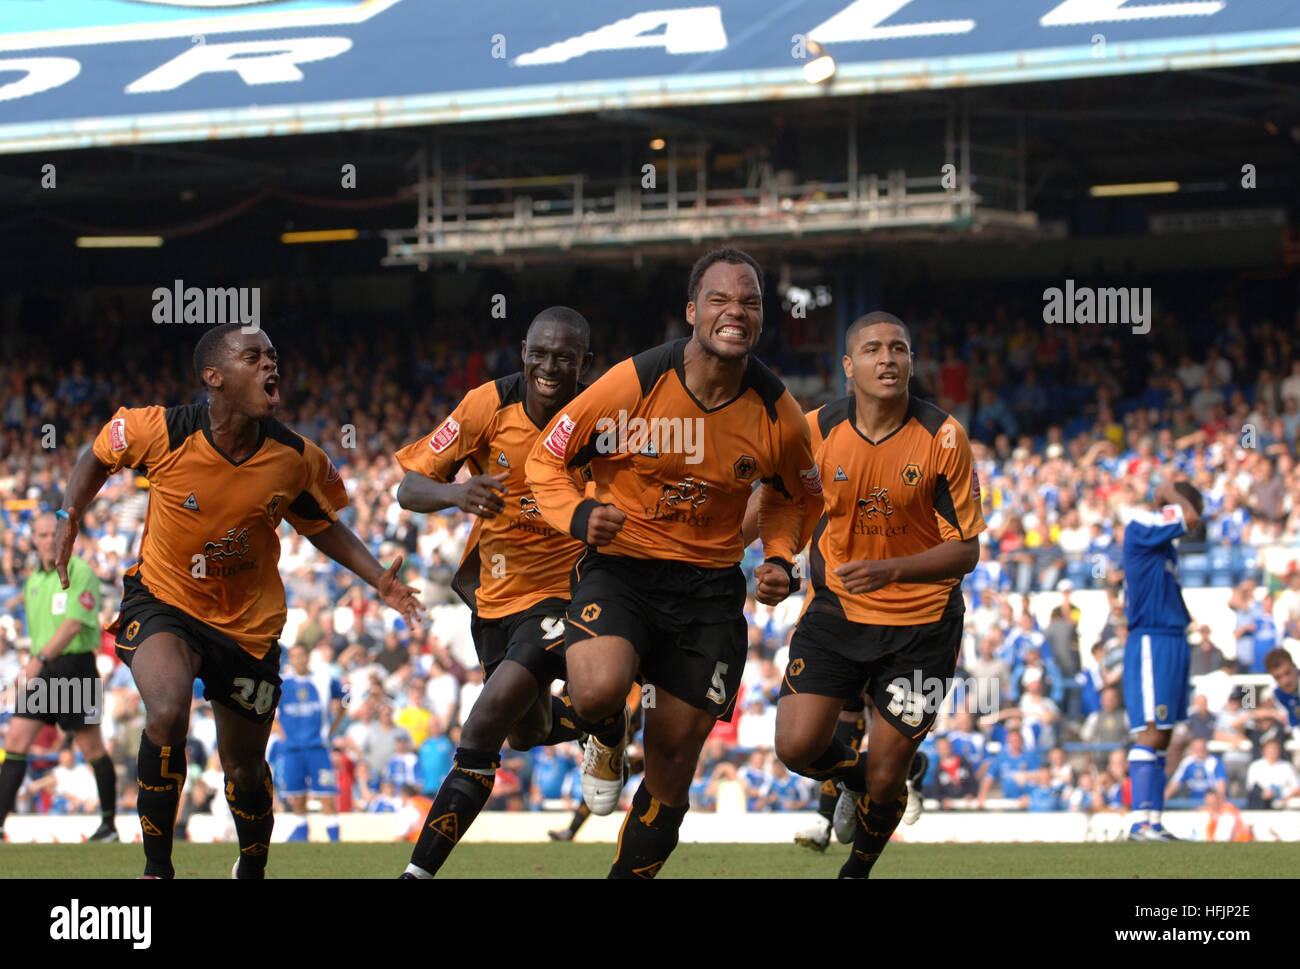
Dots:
pixel 117 434
pixel 812 480
pixel 558 440
pixel 444 435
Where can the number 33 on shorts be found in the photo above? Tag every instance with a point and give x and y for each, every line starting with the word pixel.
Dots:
pixel 243 694
pixel 908 706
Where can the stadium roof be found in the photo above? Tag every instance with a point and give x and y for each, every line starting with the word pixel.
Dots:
pixel 84 73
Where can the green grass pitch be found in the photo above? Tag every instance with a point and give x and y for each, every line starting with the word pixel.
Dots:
pixel 478 860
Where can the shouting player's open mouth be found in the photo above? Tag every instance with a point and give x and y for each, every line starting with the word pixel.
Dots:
pixel 272 388
pixel 889 378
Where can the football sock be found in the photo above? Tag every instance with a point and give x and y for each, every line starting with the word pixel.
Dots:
pixel 299 832
pixel 839 762
pixel 1158 780
pixel 610 731
pixel 12 772
pixel 457 803
pixel 648 836
pixel 850 733
pixel 564 724
pixel 160 776
pixel 332 826
pixel 579 818
pixel 826 801
pixel 858 730
pixel 876 822
pixel 106 782
pixel 254 819
pixel 1141 768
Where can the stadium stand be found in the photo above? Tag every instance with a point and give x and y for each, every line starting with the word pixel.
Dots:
pixel 1067 428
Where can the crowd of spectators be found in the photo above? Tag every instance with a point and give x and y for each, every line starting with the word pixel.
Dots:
pixel 1071 428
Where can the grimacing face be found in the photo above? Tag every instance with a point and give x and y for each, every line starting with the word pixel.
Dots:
pixel 727 312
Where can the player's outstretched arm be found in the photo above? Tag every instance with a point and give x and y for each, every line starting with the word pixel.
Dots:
pixel 949 560
pixel 342 545
pixel 481 495
pixel 88 476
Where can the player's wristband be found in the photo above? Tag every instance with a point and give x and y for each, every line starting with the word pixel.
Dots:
pixel 578 524
pixel 62 514
pixel 787 568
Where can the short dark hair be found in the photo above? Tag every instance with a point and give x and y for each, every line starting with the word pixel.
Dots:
pixel 1188 491
pixel 725 254
pixel 1276 658
pixel 565 316
pixel 875 316
pixel 209 347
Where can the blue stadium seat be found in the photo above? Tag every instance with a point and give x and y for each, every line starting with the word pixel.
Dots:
pixel 1154 397
pixel 1192 568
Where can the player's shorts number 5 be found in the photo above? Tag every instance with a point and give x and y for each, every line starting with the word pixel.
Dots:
pixel 717 693
pixel 244 694
pixel 909 707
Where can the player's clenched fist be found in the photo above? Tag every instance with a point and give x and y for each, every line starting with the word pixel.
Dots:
pixel 771 584
pixel 481 495
pixel 604 523
pixel 865 575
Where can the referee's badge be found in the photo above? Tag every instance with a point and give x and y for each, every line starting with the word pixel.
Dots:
pixel 132 629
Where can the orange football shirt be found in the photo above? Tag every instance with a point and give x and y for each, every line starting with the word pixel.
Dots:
pixel 210 546
pixel 910 491
pixel 515 560
pixel 682 474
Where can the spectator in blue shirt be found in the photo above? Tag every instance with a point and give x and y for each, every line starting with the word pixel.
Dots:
pixel 786 791
pixel 1040 795
pixel 967 742
pixel 1265 632
pixel 1199 772
pixel 1020 640
pixel 987 577
pixel 992 418
pixel 401 767
pixel 551 767
pixel 1048 672
pixel 701 798
pixel 435 758
pixel 1244 608
pixel 1229 526
pixel 1011 768
pixel 755 777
